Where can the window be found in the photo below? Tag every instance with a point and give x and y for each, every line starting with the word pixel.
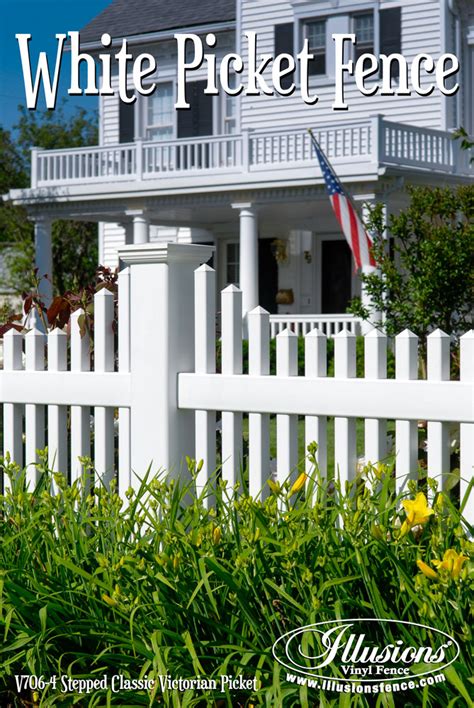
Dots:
pixel 159 113
pixel 315 33
pixel 229 108
pixel 232 272
pixel 364 32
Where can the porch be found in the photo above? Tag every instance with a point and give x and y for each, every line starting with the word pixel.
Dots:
pixel 355 148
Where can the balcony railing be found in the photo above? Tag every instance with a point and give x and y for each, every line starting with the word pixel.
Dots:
pixel 329 325
pixel 370 143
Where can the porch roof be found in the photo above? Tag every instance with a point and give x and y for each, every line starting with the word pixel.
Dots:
pixel 123 19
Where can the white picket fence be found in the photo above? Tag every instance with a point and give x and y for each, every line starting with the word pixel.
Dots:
pixel 155 400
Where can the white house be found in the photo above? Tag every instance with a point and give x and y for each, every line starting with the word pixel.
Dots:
pixel 238 172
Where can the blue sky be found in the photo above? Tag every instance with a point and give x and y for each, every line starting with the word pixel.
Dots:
pixel 42 19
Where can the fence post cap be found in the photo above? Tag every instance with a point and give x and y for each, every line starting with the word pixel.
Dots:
pixel 57 332
pixel 204 268
pixel 137 254
pixel 345 334
pixel 464 337
pixel 287 333
pixel 258 311
pixel 406 334
pixel 231 289
pixel 438 334
pixel 315 333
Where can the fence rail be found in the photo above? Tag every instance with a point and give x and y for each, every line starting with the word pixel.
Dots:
pixel 158 397
pixel 330 325
pixel 374 141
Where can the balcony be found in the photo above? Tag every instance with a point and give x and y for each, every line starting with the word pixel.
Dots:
pixel 365 148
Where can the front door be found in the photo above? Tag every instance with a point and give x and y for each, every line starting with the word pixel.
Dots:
pixel 336 277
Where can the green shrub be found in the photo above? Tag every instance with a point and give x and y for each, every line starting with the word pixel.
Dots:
pixel 90 585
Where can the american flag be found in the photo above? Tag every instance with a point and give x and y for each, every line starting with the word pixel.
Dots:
pixel 356 236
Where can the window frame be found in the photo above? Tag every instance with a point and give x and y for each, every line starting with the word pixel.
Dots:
pixel 321 51
pixel 145 126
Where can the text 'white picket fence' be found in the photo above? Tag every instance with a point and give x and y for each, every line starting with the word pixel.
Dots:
pixel 154 401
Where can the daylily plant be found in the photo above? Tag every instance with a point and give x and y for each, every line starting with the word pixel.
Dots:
pixel 418 512
pixel 452 562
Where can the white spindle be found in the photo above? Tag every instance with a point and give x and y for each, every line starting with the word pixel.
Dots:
pixel 80 416
pixel 345 428
pixel 287 425
pixel 259 423
pixel 438 360
pixel 126 478
pixel 12 412
pixel 231 364
pixel 57 415
pixel 316 426
pixel 34 414
pixel 467 429
pixel 103 362
pixel 375 367
pixel 406 431
pixel 205 363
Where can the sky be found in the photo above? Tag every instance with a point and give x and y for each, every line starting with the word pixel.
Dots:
pixel 43 19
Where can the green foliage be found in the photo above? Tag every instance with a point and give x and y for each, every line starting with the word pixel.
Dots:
pixel 75 244
pixel 166 585
pixel 427 279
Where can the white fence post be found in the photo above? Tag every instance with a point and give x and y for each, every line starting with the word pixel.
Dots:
pixel 467 429
pixel 231 316
pixel 34 414
pixel 345 428
pixel 104 362
pixel 205 363
pixel 406 431
pixel 57 415
pixel 316 426
pixel 12 412
pixel 259 423
pixel 438 433
pixel 80 415
pixel 375 367
pixel 287 425
pixel 162 345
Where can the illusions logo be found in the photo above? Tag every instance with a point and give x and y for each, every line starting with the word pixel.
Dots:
pixel 365 650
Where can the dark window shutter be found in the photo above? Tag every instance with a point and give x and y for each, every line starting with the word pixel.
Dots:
pixel 196 120
pixel 126 122
pixel 284 45
pixel 391 35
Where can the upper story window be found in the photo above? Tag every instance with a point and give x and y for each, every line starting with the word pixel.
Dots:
pixel 159 113
pixel 315 33
pixel 364 31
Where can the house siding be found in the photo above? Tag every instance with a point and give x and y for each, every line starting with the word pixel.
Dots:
pixel 421 31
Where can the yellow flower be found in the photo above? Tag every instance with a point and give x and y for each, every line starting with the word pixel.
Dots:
pixel 426 570
pixel 109 600
pixel 418 512
pixel 216 535
pixel 452 562
pixel 299 484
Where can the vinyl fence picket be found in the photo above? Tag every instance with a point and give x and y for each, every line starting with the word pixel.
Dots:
pixel 375 367
pixel 438 355
pixel 232 454
pixel 57 415
pixel 103 362
pixel 34 413
pixel 345 428
pixel 406 431
pixel 126 479
pixel 259 423
pixel 12 412
pixel 287 425
pixel 315 353
pixel 80 415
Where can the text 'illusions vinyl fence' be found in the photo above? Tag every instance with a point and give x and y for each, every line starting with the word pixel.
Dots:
pixel 155 400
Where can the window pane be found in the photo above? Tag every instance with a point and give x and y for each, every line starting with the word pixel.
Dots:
pixel 316 34
pixel 317 66
pixel 159 114
pixel 364 28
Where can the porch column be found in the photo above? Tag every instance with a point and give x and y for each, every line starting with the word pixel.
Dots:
pixel 44 256
pixel 141 225
pixel 248 241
